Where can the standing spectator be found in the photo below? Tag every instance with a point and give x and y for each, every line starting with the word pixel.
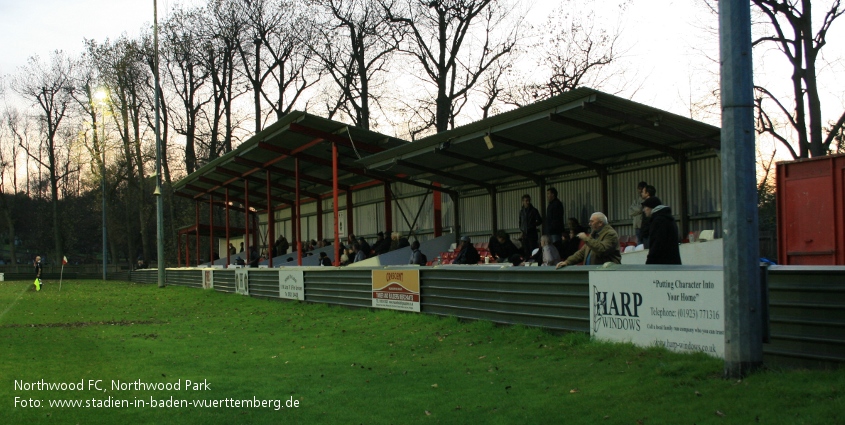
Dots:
pixel 550 256
pixel 553 222
pixel 232 249
pixel 600 247
pixel 468 253
pixel 636 211
pixel 647 192
pixel 281 246
pixel 529 219
pixel 37 265
pixel 663 233
pixel 417 256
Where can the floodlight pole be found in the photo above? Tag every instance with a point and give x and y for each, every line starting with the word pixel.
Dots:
pixel 743 323
pixel 159 206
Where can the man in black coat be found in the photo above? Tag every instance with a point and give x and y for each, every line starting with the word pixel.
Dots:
pixel 553 222
pixel 529 219
pixel 663 233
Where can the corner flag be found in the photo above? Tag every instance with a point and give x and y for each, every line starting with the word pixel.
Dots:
pixel 64 260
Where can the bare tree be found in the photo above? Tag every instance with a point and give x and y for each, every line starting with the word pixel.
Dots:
pixel 283 30
pixel 789 27
pixel 11 136
pixel 455 42
pixel 355 45
pixel 184 69
pixel 49 87
pixel 224 26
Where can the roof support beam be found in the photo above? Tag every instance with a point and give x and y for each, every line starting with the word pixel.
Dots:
pixel 622 137
pixel 651 125
pixel 359 171
pixel 336 138
pixel 446 174
pixel 548 152
pixel 510 170
pixel 284 172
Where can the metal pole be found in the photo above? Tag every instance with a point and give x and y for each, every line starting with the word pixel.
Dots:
pixel 298 217
pixel 335 200
pixel 105 231
pixel 228 254
pixel 159 201
pixel 271 223
pixel 743 339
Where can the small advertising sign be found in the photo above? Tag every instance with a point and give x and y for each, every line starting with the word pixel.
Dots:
pixel 208 279
pixel 680 310
pixel 292 285
pixel 397 289
pixel 241 281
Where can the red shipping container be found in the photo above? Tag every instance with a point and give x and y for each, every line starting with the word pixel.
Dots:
pixel 811 216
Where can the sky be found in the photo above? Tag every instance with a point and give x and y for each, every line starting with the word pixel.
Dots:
pixel 664 45
pixel 38 27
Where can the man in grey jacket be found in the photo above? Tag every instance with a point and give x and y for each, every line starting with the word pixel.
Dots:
pixel 636 211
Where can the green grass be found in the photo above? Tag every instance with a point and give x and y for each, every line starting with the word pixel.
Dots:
pixel 360 366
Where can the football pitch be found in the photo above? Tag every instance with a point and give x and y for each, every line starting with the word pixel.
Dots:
pixel 118 353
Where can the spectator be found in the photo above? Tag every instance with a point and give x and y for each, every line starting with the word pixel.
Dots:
pixel 647 192
pixel 417 256
pixel 636 211
pixel 324 260
pixel 553 223
pixel 570 243
pixel 394 241
pixel 601 247
pixel 240 261
pixel 663 233
pixel 242 247
pixel 359 254
pixel 232 249
pixel 365 247
pixel 281 246
pixel 468 253
pixel 505 250
pixel 381 245
pixel 551 256
pixel 529 219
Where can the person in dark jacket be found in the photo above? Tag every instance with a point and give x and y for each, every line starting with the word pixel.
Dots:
pixel 553 222
pixel 505 248
pixel 663 233
pixel 382 245
pixel 365 247
pixel 648 192
pixel 468 254
pixel 529 219
pixel 325 260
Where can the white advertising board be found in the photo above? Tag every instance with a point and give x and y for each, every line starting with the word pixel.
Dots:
pixel 292 285
pixel 680 310
pixel 241 281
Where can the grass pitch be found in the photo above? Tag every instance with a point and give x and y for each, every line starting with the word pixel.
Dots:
pixel 133 348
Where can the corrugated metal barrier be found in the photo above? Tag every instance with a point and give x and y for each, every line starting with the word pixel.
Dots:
pixel 806 315
pixel 806 307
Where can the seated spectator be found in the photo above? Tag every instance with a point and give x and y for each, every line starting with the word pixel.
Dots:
pixel 240 261
pixel 505 249
pixel 570 244
pixel 325 260
pixel 381 245
pixel 468 253
pixel 365 247
pixel 417 257
pixel 359 254
pixel 550 255
pixel 599 248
